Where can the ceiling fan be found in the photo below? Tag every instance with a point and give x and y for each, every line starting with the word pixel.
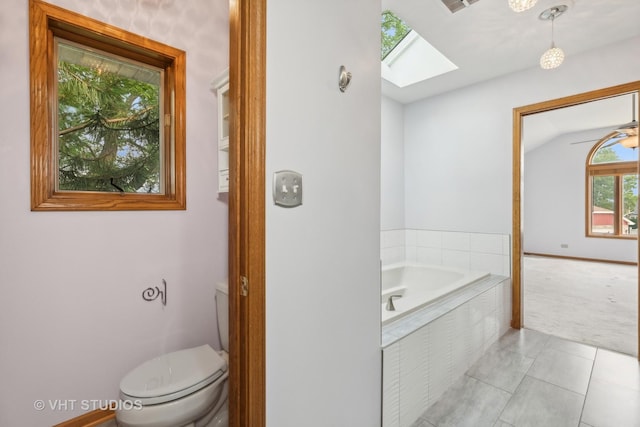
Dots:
pixel 626 135
pixel 629 131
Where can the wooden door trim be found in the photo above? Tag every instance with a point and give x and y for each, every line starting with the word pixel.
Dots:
pixel 247 90
pixel 517 183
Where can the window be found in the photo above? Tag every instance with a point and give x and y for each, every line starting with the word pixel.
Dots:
pixel 107 116
pixel 612 189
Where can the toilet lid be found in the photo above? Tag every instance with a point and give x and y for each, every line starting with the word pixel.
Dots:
pixel 181 372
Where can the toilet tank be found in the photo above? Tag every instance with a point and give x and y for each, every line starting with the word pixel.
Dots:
pixel 222 309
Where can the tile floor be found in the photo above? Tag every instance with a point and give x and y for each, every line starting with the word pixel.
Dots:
pixel 529 378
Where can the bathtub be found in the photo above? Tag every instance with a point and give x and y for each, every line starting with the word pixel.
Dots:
pixel 420 285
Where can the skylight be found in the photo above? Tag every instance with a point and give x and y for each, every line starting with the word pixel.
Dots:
pixel 393 31
pixel 407 58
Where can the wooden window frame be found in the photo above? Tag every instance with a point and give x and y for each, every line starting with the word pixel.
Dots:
pixel 617 170
pixel 47 22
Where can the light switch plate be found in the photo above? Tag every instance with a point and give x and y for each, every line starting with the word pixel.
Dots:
pixel 287 188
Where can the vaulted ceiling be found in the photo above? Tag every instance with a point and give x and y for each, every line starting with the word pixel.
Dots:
pixel 487 39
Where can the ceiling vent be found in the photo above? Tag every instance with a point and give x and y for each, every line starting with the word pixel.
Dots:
pixel 456 5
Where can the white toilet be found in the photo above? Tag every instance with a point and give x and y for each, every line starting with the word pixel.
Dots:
pixel 186 388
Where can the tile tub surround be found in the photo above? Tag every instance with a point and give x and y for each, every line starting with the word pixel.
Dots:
pixel 471 251
pixel 481 298
pixel 566 384
pixel 427 351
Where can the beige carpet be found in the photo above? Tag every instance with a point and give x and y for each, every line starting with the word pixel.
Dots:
pixel 590 302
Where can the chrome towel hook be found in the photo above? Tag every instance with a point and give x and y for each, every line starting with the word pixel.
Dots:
pixel 344 78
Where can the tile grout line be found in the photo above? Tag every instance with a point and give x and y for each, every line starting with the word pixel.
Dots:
pixel 521 380
pixel 593 365
pixel 595 347
pixel 559 386
pixel 494 386
pixel 546 344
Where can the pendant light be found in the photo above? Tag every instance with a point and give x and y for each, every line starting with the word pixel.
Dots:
pixel 521 5
pixel 553 57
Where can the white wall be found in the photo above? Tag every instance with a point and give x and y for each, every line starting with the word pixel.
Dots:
pixel 72 320
pixel 554 202
pixel 392 166
pixel 323 356
pixel 458 145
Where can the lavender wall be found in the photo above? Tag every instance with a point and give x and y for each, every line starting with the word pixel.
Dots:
pixel 72 320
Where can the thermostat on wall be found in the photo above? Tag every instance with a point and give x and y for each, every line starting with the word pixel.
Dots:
pixel 287 188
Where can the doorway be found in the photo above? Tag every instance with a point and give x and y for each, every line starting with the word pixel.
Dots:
pixel 519 115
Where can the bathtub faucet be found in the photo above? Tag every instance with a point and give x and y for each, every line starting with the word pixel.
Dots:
pixel 390 306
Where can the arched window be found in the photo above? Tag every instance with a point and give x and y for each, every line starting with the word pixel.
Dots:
pixel 612 189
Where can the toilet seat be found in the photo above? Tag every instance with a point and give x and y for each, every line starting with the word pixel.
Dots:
pixel 173 375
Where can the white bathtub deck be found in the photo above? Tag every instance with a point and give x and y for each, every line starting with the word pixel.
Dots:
pixel 404 326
